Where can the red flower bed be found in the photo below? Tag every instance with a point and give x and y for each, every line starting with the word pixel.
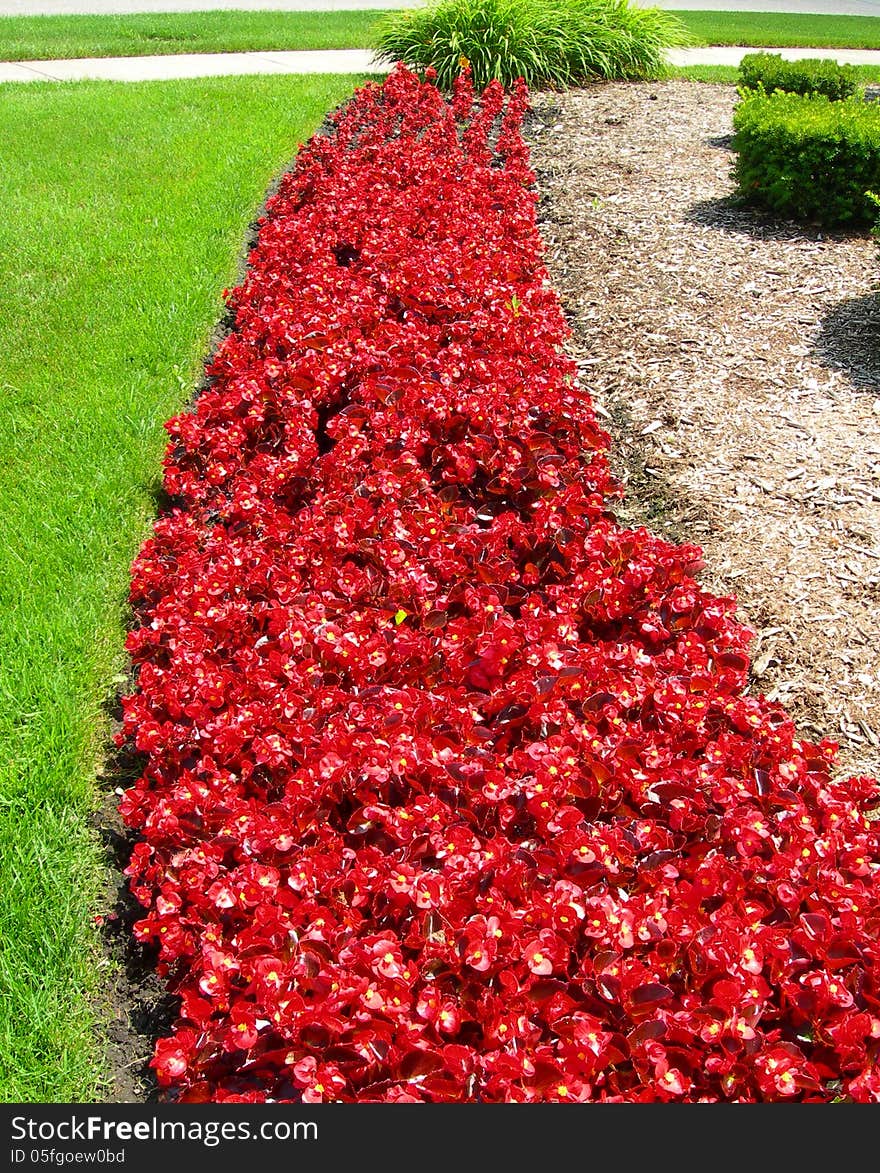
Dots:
pixel 452 788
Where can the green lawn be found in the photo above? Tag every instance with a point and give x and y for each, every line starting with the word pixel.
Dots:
pixel 31 38
pixel 35 38
pixel 781 30
pixel 124 208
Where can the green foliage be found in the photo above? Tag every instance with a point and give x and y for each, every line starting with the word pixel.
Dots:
pixel 811 75
pixel 550 43
pixel 875 204
pixel 808 158
pixel 26 38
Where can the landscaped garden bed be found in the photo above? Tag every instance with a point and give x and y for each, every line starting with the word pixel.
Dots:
pixel 453 788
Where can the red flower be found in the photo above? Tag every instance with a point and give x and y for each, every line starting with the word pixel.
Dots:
pixel 320 1081
pixel 545 954
pixel 172 1057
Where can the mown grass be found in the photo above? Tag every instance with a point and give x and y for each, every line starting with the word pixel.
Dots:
pixel 42 38
pixel 783 30
pixel 32 38
pixel 124 208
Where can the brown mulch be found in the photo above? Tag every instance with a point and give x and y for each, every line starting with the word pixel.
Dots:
pixel 735 360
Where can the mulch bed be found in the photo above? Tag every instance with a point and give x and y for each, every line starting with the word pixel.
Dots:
pixel 736 362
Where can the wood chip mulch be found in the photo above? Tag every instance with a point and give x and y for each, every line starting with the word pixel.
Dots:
pixel 735 361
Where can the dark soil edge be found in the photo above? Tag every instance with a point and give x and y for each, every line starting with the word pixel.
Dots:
pixel 135 1007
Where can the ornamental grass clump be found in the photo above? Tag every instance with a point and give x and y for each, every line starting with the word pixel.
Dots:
pixel 547 44
pixel 452 788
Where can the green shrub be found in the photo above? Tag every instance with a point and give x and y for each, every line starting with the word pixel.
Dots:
pixel 808 158
pixel 875 205
pixel 811 75
pixel 549 43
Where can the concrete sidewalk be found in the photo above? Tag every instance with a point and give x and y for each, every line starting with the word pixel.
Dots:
pixel 801 7
pixel 733 54
pixel 184 65
pixel 193 65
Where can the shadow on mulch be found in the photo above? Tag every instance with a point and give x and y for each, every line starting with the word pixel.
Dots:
pixel 731 215
pixel 849 340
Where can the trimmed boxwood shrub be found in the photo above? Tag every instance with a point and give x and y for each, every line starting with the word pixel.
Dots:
pixel 808 158
pixel 808 76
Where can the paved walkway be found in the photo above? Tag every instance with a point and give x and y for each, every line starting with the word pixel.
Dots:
pixel 320 61
pixel 193 65
pixel 732 55
pixel 351 60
